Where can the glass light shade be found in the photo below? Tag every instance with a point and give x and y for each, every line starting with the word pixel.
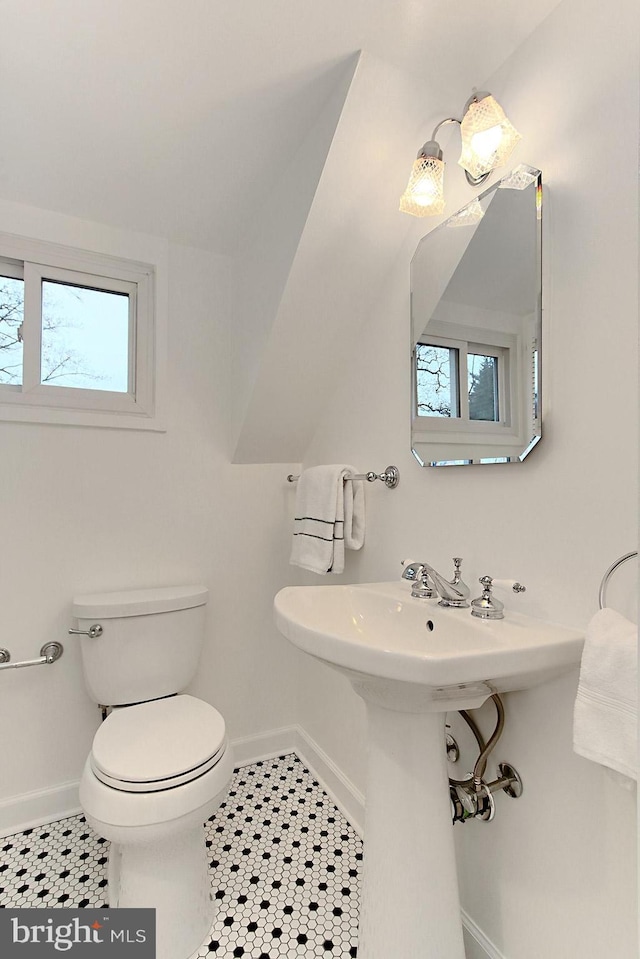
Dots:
pixel 488 138
pixel 424 195
pixel 469 215
pixel 519 179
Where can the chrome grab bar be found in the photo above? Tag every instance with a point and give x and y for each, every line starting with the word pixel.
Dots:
pixel 49 653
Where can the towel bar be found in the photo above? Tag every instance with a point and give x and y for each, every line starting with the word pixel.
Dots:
pixel 390 477
pixel 602 594
pixel 48 654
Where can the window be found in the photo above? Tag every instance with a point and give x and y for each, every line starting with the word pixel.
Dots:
pixel 77 337
pixel 460 381
pixel 482 379
pixel 437 374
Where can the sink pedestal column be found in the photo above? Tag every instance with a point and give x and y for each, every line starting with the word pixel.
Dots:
pixel 410 905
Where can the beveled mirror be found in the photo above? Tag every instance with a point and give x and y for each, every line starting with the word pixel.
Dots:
pixel 476 329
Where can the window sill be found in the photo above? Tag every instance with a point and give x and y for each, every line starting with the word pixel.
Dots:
pixel 91 418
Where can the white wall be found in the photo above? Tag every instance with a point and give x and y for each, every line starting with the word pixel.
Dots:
pixel 554 874
pixel 97 509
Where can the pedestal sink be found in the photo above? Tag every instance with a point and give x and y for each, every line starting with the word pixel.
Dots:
pixel 412 661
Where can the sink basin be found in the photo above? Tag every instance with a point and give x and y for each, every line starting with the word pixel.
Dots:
pixel 413 649
pixel 412 661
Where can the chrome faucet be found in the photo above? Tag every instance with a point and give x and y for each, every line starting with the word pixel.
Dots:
pixel 452 592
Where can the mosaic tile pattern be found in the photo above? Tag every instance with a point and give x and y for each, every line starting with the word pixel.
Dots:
pixel 284 868
pixel 61 864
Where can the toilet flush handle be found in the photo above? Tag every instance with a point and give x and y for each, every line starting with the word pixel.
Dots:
pixel 94 631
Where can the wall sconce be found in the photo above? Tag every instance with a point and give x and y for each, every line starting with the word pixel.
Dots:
pixel 488 139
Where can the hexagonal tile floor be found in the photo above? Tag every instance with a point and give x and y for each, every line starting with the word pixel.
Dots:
pixel 284 868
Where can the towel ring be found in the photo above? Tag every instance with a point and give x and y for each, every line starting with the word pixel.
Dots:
pixel 602 595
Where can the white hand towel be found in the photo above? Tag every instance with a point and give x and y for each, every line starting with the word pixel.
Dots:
pixel 606 708
pixel 329 516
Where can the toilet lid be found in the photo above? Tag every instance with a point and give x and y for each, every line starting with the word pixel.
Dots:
pixel 159 744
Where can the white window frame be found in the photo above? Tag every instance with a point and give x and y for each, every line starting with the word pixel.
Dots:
pixel 472 340
pixel 33 401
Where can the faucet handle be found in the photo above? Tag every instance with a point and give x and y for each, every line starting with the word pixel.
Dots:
pixel 457 575
pixel 487 606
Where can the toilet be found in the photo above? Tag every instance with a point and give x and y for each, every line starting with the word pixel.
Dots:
pixel 160 763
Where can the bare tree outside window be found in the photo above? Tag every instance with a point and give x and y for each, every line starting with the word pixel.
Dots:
pixel 11 318
pixel 84 336
pixel 435 381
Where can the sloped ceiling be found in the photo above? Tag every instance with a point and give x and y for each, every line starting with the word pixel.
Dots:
pixel 340 255
pixel 277 132
pixel 176 117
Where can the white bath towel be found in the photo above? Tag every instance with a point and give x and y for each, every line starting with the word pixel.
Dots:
pixel 329 516
pixel 606 708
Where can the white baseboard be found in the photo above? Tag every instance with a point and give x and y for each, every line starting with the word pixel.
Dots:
pixel 348 799
pixel 43 806
pixel 275 742
pixel 294 738
pixel 477 945
pixel 36 808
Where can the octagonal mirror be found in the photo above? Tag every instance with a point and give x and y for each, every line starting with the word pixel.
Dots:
pixel 476 329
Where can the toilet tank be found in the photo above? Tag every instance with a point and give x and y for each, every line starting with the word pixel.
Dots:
pixel 150 642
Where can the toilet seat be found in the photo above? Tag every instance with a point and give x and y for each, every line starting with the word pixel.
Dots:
pixel 158 745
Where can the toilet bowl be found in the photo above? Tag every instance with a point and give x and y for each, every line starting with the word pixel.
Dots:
pixel 158 768
pixel 150 799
